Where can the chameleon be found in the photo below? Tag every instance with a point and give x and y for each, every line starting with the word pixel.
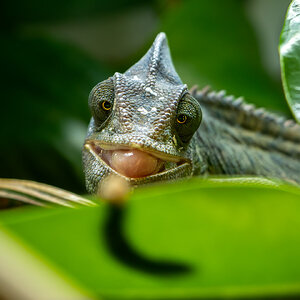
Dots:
pixel 146 127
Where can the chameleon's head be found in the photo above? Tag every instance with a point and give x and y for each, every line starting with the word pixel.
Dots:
pixel 142 123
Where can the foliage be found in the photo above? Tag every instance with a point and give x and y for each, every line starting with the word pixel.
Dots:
pixel 290 57
pixel 232 238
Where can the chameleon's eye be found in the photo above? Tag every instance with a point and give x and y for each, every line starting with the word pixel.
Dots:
pixel 188 118
pixel 101 101
pixel 106 105
pixel 181 119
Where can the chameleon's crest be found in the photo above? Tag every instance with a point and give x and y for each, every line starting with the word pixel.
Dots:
pixel 156 65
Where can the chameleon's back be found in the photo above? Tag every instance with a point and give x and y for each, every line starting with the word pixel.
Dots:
pixel 235 138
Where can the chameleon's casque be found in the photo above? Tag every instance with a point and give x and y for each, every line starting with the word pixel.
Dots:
pixel 145 128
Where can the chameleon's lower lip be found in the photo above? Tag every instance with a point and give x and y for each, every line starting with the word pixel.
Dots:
pixel 162 163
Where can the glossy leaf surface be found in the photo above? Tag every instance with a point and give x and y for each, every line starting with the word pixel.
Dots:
pixel 290 57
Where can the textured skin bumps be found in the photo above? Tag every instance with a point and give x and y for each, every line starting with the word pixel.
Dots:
pixel 235 138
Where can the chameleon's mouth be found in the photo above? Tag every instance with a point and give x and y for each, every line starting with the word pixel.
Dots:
pixel 133 161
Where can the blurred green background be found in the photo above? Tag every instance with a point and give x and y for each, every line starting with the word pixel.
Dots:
pixel 54 52
pixel 234 238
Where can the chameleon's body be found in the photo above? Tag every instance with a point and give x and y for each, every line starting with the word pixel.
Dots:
pixel 150 110
pixel 235 138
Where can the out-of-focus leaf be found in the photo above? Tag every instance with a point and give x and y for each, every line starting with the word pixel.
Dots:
pixel 40 280
pixel 227 239
pixel 213 43
pixel 290 57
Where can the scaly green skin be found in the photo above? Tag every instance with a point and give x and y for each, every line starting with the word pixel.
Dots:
pixel 234 138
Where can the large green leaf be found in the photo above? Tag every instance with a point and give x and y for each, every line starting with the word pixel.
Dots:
pixel 290 57
pixel 197 239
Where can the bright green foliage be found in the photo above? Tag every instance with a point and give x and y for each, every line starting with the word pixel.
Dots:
pixel 234 239
pixel 290 57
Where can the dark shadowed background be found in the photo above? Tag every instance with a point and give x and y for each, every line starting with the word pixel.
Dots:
pixel 54 52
